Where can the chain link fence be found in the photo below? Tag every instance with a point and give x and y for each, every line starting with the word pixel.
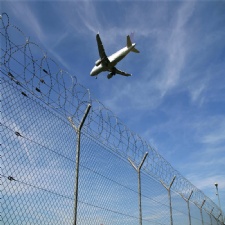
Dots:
pixel 54 173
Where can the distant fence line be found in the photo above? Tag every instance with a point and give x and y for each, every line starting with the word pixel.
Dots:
pixel 28 66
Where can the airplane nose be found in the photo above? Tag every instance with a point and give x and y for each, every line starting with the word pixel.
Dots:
pixel 93 72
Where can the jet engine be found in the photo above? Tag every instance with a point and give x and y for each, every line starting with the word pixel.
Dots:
pixel 110 75
pixel 98 62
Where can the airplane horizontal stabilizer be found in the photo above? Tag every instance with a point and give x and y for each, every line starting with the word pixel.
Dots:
pixel 135 50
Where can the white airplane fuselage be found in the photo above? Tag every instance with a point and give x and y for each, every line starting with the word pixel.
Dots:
pixel 113 60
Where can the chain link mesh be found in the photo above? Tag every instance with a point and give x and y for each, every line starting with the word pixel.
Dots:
pixel 38 152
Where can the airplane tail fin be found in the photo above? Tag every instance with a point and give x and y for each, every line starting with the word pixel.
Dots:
pixel 129 44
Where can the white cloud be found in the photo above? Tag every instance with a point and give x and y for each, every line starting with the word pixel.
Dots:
pixel 204 183
pixel 197 91
pixel 176 49
pixel 215 137
pixel 23 12
pixel 212 130
pixel 82 17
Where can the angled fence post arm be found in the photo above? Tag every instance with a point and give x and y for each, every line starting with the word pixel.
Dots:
pixel 78 132
pixel 164 185
pixel 133 164
pixel 143 160
pixel 84 117
pixel 185 199
pixel 190 195
pixel 172 182
pixel 138 169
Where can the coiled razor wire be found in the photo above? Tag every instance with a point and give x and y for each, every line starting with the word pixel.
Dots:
pixel 28 65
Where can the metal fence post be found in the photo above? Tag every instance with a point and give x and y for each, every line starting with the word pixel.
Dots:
pixel 201 211
pixel 138 169
pixel 78 132
pixel 217 193
pixel 188 205
pixel 169 195
pixel 211 216
pixel 219 217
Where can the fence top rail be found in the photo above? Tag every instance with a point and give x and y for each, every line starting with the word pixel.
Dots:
pixel 27 64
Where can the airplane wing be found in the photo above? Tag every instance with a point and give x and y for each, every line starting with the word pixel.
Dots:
pixel 121 72
pixel 101 50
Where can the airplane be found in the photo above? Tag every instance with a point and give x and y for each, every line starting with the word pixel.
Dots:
pixel 108 63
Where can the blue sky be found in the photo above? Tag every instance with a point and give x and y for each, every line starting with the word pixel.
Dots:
pixel 176 97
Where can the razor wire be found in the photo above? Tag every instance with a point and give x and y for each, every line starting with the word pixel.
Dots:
pixel 28 65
